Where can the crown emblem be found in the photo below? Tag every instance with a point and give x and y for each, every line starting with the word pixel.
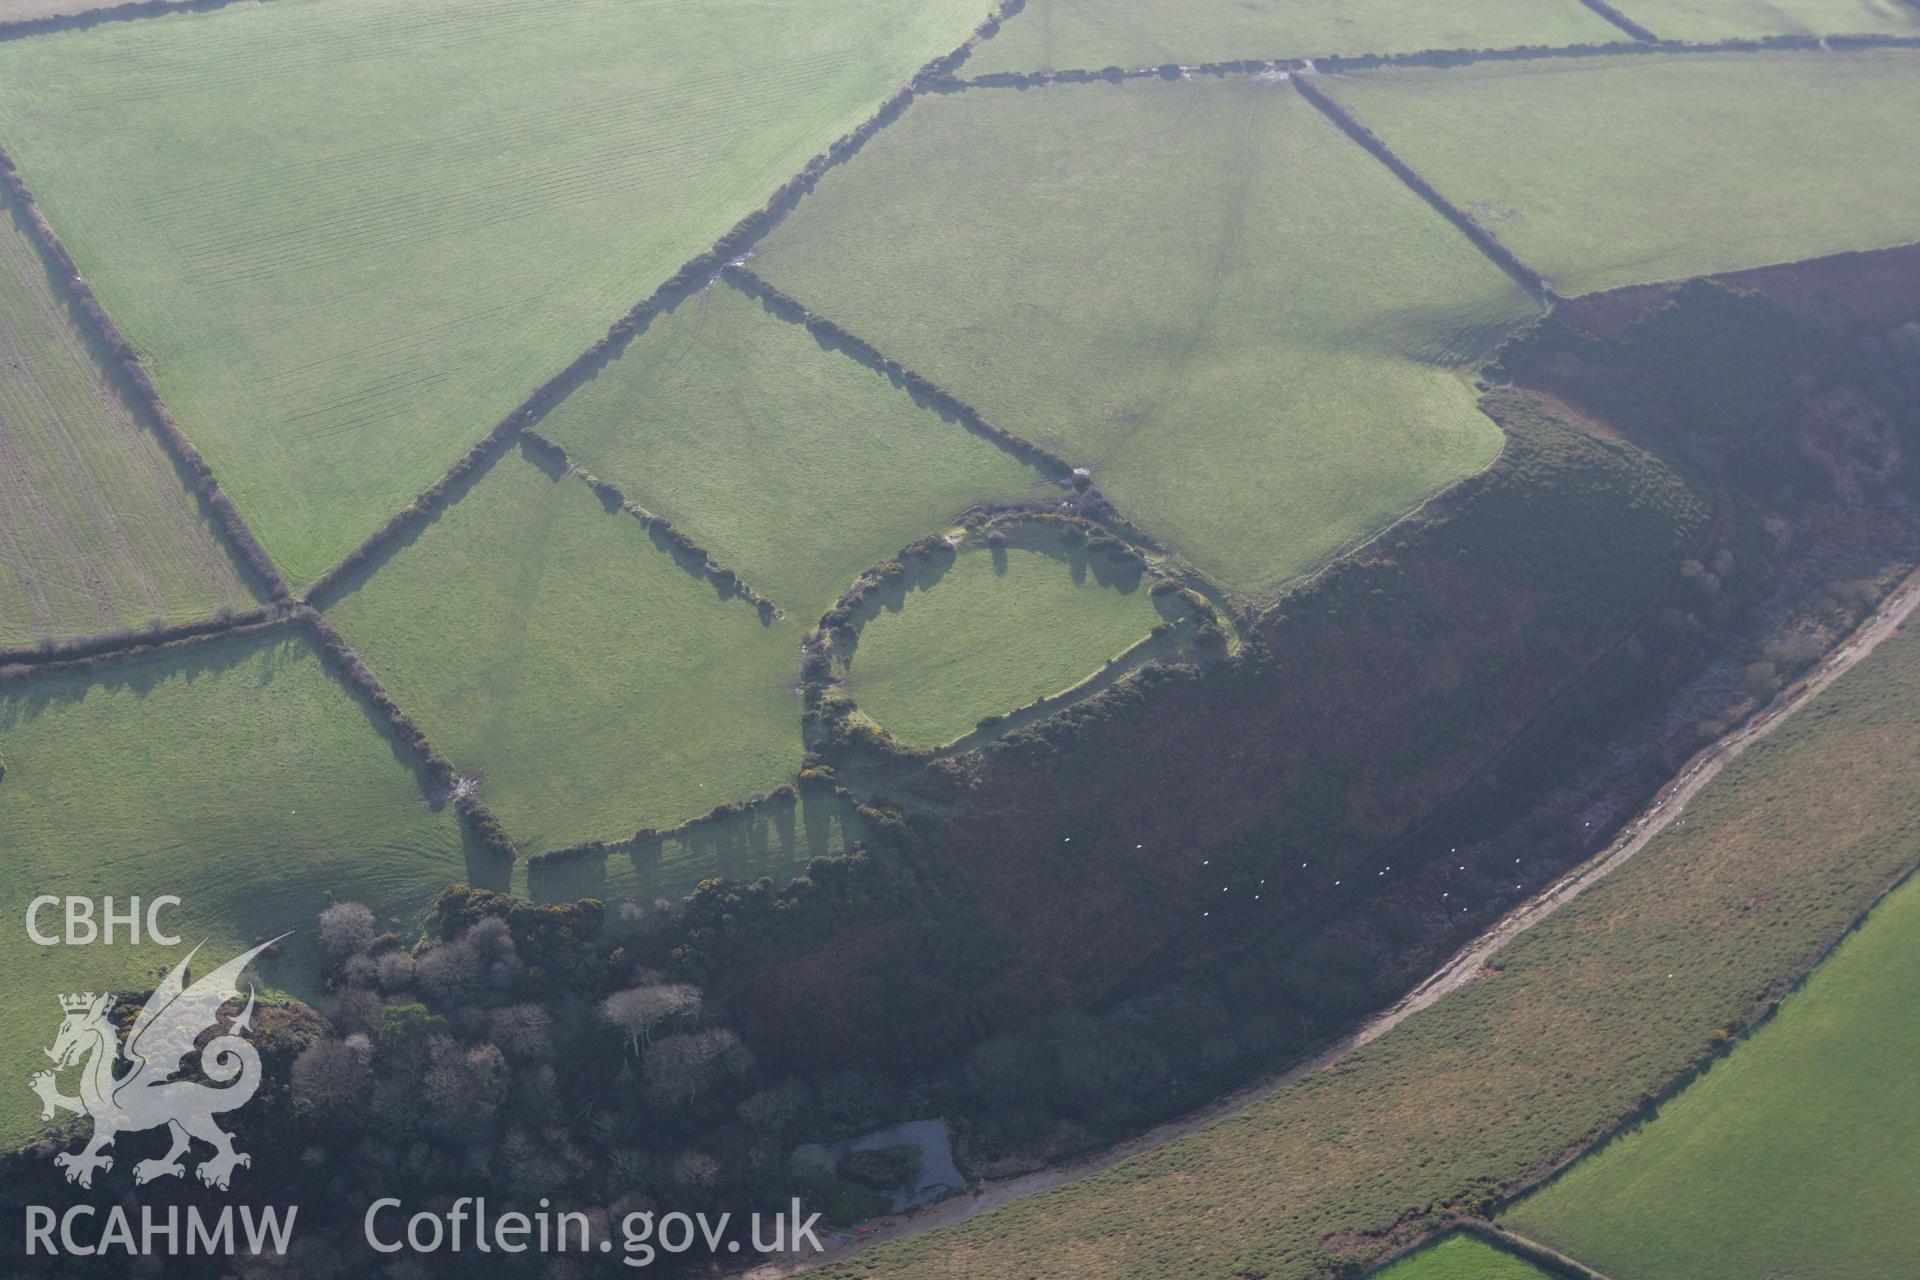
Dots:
pixel 76 1004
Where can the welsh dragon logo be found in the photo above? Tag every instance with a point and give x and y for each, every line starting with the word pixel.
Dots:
pixel 147 1096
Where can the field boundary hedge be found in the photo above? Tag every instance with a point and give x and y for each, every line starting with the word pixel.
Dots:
pixel 101 644
pixel 445 783
pixel 340 660
pixel 697 273
pixel 1077 481
pixel 611 495
pixel 1504 258
pixel 924 390
pixel 258 622
pixel 786 795
pixel 1738 1031
pixel 829 710
pixel 1551 1261
pixel 1435 58
pixel 16 28
pixel 144 397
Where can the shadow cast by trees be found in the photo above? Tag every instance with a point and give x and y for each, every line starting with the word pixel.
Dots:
pixel 773 835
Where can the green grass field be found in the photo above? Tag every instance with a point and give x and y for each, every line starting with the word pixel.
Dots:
pixel 1460 1257
pixel 96 529
pixel 796 467
pixel 239 776
pixel 997 629
pixel 1729 19
pixel 1612 171
pixel 1063 34
pixel 1796 1155
pixel 773 839
pixel 1588 1013
pixel 351 235
pixel 593 681
pixel 1240 319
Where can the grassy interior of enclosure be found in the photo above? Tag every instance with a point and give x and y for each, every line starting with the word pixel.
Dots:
pixel 1577 1022
pixel 240 777
pixel 773 839
pixel 1063 34
pixel 595 681
pixel 1731 19
pixel 1460 1257
pixel 1797 1154
pixel 351 235
pixel 795 466
pixel 96 529
pixel 989 630
pixel 1602 172
pixel 1242 321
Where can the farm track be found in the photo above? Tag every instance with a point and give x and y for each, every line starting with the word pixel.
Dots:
pixel 1667 806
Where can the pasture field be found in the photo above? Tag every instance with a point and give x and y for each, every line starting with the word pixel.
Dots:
pixel 96 528
pixel 989 631
pixel 1795 1155
pixel 237 775
pixel 772 839
pixel 1731 19
pixel 796 467
pixel 352 235
pixel 1460 1257
pixel 1578 1019
pixel 595 682
pixel 1241 320
pixel 1600 172
pixel 1058 35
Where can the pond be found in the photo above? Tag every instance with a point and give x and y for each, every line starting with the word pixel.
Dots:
pixel 926 1159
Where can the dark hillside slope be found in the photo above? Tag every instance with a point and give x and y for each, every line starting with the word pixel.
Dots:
pixel 1079 849
pixel 1220 864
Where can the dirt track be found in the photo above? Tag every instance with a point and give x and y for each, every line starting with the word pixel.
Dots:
pixel 1465 965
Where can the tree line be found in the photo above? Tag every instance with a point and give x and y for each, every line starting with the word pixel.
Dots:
pixel 613 499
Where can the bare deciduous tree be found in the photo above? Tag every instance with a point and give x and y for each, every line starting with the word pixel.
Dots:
pixel 345 927
pixel 639 1010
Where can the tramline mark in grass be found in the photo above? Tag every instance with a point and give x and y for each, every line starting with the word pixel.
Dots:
pixel 97 530
pixel 351 235
pixel 1092 34
pixel 794 465
pixel 594 681
pixel 1242 321
pixel 1602 172
pixel 237 775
